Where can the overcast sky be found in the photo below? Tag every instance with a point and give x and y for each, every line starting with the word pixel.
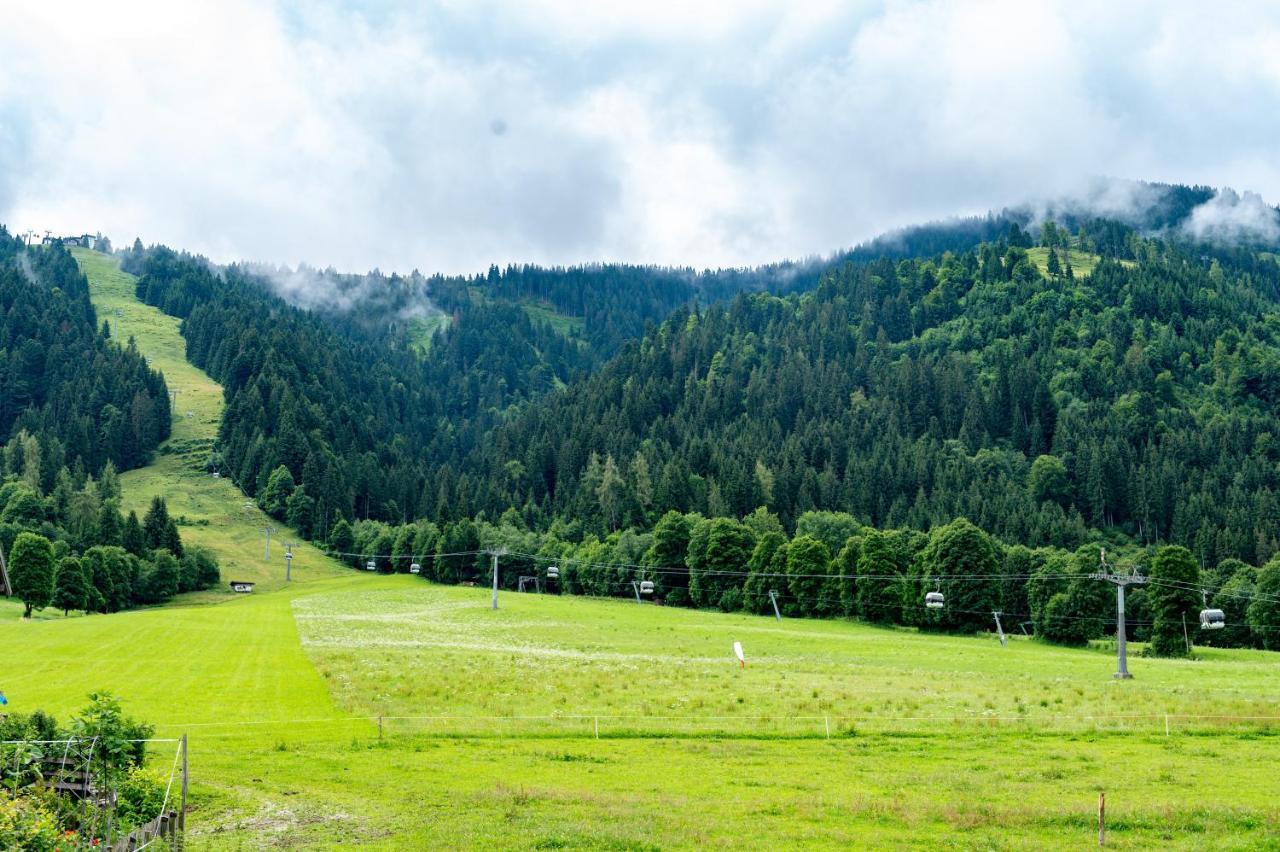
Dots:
pixel 449 135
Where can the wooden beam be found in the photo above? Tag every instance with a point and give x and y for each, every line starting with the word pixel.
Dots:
pixel 4 576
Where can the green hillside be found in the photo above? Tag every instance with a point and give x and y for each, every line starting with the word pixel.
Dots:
pixel 212 511
pixel 490 730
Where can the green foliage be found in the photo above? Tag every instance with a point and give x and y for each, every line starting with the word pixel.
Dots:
pixel 1233 598
pixel 162 581
pixel 1048 480
pixel 759 581
pixel 117 737
pixel 1175 600
pixel 1067 606
pixel 141 795
pixel 807 559
pixel 31 571
pixel 881 570
pixel 275 496
pixel 71 589
pixel 960 561
pixel 1264 610
pixel 28 822
pixel 670 547
pixel 722 561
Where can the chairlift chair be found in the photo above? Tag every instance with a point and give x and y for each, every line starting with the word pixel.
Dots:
pixel 646 587
pixel 415 568
pixel 934 600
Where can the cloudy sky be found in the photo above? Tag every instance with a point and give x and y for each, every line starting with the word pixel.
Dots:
pixel 451 134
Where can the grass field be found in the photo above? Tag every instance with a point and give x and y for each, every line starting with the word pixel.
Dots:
pixel 683 759
pixel 389 712
pixel 211 512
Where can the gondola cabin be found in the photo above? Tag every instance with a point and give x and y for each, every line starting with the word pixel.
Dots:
pixel 553 572
pixel 371 566
pixel 1212 619
pixel 646 587
pixel 415 568
pixel 934 600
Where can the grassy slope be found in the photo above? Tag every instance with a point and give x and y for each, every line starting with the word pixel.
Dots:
pixel 1082 263
pixel 211 511
pixel 422 330
pixel 562 324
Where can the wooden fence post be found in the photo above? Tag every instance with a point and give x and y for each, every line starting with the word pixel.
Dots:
pixel 1102 819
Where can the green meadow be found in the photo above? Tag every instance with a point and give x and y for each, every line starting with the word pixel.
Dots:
pixel 385 711
pixel 489 729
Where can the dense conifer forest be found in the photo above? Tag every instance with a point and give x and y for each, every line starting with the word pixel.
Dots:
pixel 76 408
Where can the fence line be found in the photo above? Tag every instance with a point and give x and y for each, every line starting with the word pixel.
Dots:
pixel 778 726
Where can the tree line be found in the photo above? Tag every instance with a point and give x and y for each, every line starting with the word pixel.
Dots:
pixel 834 566
pixel 73 549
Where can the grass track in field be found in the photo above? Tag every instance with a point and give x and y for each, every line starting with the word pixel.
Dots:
pixel 211 511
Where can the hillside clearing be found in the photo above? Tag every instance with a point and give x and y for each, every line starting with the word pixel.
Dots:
pixel 211 512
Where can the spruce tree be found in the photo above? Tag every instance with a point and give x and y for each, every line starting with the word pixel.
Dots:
pixel 133 539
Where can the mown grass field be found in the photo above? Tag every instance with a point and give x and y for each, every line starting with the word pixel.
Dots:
pixel 211 512
pixel 471 771
pixel 577 723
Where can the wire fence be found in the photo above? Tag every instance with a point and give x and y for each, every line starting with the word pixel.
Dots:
pixel 285 734
pixel 83 775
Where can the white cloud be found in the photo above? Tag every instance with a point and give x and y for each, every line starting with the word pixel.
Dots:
pixel 717 133
pixel 1229 217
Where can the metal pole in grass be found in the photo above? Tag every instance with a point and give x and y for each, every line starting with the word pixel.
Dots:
pixel 495 554
pixel 773 598
pixel 288 561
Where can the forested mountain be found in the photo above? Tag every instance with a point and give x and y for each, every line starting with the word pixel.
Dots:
pixel 68 397
pixel 1140 398
pixel 989 381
